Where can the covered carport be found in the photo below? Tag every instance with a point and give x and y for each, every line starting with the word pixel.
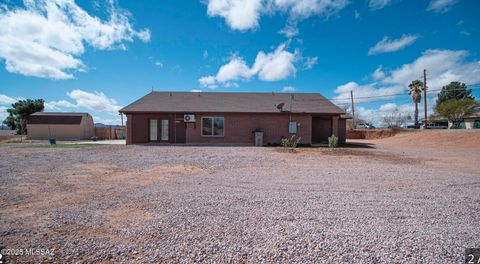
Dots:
pixel 324 126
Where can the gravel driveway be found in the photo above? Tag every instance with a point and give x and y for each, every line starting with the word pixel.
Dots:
pixel 234 204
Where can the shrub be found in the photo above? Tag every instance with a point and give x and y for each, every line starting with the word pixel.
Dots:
pixel 333 142
pixel 291 143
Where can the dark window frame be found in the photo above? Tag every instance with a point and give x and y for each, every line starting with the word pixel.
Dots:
pixel 213 126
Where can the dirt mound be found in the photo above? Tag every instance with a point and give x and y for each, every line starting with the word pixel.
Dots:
pixel 370 133
pixel 466 139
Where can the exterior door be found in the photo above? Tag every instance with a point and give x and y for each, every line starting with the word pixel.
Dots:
pixel 321 129
pixel 164 130
pixel 180 131
pixel 153 130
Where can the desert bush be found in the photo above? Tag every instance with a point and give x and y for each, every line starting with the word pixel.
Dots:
pixel 290 143
pixel 333 142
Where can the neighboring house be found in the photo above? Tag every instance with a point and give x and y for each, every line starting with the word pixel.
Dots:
pixel 470 122
pixel 232 118
pixel 60 125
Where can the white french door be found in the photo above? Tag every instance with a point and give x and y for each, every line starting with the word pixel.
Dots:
pixel 164 135
pixel 153 130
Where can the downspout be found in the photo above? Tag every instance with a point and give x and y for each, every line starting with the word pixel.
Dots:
pixel 291 102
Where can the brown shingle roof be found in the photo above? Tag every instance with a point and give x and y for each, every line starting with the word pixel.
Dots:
pixel 210 102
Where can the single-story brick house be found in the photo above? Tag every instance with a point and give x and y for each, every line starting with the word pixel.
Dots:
pixel 232 118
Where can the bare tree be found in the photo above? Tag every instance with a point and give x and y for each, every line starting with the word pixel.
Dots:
pixel 396 119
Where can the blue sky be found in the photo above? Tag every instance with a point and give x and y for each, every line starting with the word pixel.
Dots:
pixel 97 56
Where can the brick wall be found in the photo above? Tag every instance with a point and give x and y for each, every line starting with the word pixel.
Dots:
pixel 138 130
pixel 239 127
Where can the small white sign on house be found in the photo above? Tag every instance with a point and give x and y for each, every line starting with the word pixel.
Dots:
pixel 292 127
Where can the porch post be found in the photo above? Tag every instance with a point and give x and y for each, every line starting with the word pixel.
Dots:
pixel 335 125
pixel 129 130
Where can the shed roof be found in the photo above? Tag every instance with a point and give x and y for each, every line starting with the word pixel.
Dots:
pixel 59 114
pixel 211 102
pixel 56 118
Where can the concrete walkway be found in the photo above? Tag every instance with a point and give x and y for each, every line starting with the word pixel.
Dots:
pixel 101 142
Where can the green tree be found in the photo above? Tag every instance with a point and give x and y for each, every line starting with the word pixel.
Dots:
pixel 415 91
pixel 455 110
pixel 454 90
pixel 20 112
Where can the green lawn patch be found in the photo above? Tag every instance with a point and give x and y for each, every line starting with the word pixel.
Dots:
pixel 65 145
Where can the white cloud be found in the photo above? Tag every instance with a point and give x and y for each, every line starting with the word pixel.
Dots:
pixel 388 107
pixel 6 100
pixel 107 121
pixel 58 105
pixel 378 4
pixel 238 14
pixel 231 85
pixel 208 81
pixel 375 115
pixel 97 101
pixel 46 38
pixel 378 74
pixel 245 14
pixel 290 30
pixel 3 114
pixel 366 92
pixel 443 67
pixel 288 89
pixel 234 70
pixel 274 66
pixel 390 45
pixel 441 6
pixel 205 54
pixel 159 64
pixel 310 62
pixel 196 91
pixel 302 9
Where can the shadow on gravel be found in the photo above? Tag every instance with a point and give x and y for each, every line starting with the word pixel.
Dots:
pixel 366 153
pixel 358 145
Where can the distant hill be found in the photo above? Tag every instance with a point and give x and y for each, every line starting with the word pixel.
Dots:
pixel 101 125
pixel 104 125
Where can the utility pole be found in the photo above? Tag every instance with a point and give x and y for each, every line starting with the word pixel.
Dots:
pixel 425 99
pixel 353 109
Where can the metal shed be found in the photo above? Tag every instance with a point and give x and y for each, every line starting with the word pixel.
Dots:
pixel 60 125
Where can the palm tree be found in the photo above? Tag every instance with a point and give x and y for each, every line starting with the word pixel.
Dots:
pixel 415 91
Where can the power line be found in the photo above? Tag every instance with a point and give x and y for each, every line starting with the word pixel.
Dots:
pixel 390 96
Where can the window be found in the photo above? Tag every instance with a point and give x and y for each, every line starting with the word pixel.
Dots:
pixel 213 126
pixel 153 129
pixel 164 130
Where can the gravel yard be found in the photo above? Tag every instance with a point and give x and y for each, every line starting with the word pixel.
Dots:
pixel 172 204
